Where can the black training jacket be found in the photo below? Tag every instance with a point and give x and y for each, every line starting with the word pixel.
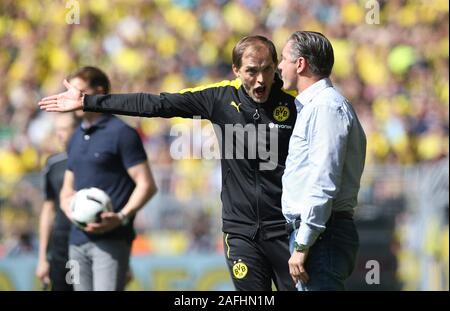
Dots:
pixel 251 196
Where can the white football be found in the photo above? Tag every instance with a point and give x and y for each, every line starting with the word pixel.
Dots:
pixel 87 206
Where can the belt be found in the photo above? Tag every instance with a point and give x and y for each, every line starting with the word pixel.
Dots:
pixel 294 225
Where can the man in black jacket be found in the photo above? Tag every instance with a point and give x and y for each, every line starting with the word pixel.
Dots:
pixel 259 117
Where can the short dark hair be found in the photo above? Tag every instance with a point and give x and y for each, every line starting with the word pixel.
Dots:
pixel 253 41
pixel 94 77
pixel 316 49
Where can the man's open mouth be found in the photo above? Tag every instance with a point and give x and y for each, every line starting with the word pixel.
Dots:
pixel 260 91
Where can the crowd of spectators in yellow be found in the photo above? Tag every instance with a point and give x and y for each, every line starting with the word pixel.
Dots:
pixel 396 74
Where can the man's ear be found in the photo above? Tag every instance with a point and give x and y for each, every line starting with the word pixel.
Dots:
pixel 302 65
pixel 235 70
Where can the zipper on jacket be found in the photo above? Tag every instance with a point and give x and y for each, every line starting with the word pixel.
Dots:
pixel 256 117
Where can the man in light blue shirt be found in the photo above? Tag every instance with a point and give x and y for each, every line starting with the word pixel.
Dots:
pixel 323 168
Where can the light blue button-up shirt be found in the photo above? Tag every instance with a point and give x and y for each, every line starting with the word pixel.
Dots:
pixel 326 158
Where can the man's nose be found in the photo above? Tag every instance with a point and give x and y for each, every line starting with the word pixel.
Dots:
pixel 260 78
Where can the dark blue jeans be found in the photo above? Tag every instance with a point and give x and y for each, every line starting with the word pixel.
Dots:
pixel 332 257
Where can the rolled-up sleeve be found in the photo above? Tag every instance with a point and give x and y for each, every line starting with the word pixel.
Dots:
pixel 326 136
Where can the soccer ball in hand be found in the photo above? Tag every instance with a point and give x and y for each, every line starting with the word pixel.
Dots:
pixel 88 205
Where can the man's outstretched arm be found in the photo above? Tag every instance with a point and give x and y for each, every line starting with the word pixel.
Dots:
pixel 166 105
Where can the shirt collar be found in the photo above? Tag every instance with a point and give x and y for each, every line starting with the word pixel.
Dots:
pixel 312 91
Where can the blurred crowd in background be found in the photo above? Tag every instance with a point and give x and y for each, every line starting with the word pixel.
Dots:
pixel 396 74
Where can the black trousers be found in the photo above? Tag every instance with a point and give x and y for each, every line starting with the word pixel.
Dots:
pixel 58 256
pixel 254 264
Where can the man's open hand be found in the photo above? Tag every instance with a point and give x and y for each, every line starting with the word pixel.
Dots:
pixel 69 100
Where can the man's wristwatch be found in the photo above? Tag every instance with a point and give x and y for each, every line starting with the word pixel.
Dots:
pixel 300 247
pixel 124 219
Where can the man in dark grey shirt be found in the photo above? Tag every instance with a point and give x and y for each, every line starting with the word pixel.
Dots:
pixel 54 226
